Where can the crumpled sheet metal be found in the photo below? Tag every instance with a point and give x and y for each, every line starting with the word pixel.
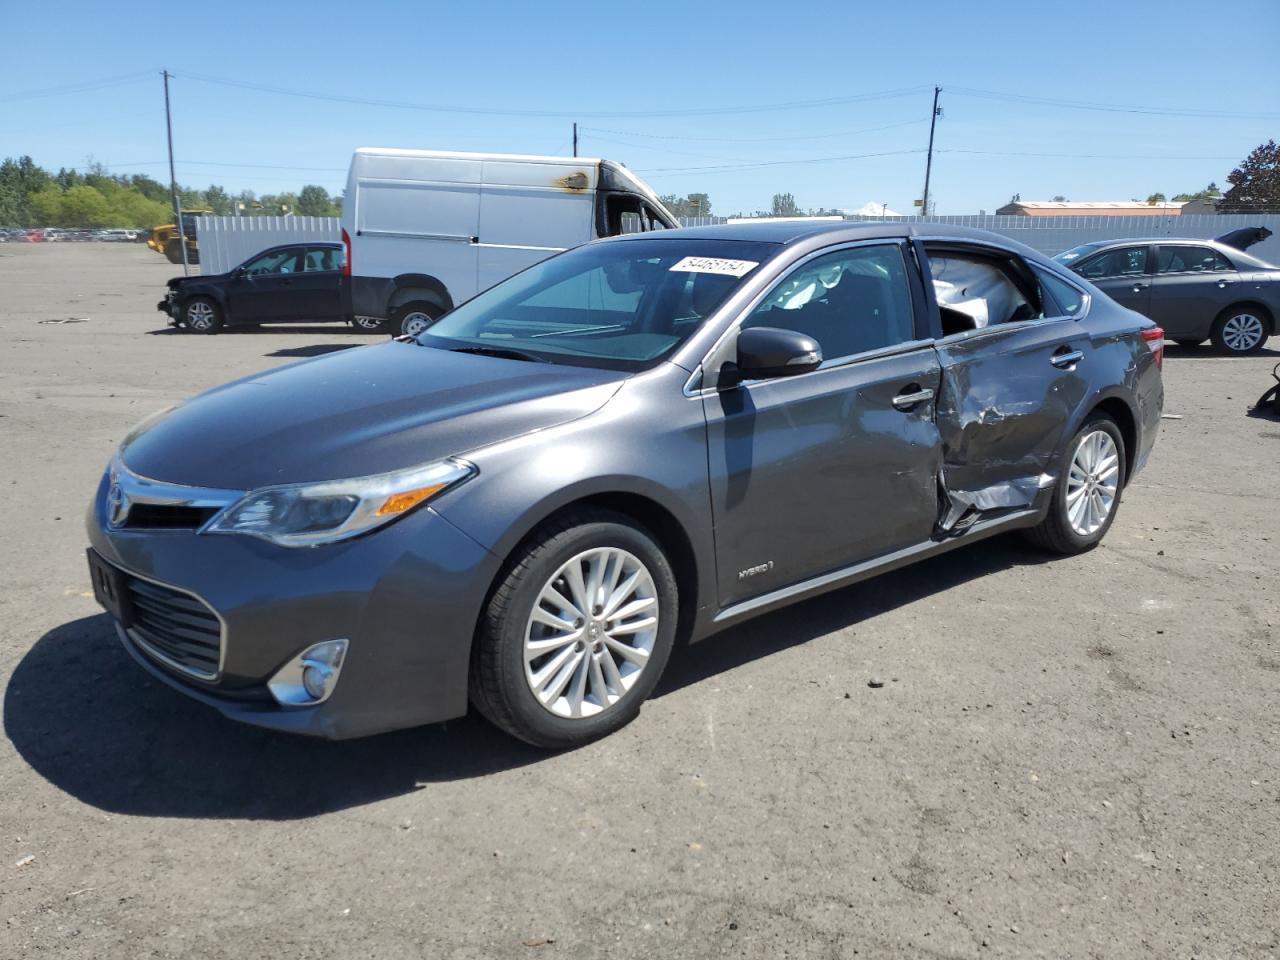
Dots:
pixel 1008 494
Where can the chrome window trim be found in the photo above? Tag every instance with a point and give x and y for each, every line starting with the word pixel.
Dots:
pixel 168 661
pixel 746 309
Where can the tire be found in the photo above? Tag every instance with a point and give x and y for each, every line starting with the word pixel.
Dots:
pixel 1188 344
pixel 1240 331
pixel 502 682
pixel 1064 530
pixel 173 251
pixel 369 324
pixel 202 315
pixel 412 318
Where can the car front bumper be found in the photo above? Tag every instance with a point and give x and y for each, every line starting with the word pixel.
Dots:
pixel 406 597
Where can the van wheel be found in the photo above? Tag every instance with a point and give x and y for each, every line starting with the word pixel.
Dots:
pixel 414 317
pixel 576 633
pixel 202 315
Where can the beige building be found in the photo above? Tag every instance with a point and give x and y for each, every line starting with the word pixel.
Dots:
pixel 1095 208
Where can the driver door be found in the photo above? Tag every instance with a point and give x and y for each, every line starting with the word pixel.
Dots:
pixel 265 289
pixel 818 471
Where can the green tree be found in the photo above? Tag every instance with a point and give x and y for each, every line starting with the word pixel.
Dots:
pixel 1059 198
pixel 1155 198
pixel 1211 192
pixel 1255 184
pixel 784 205
pixel 314 201
pixel 84 206
pixel 45 207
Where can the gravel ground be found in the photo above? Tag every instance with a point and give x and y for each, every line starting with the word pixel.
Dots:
pixel 1068 758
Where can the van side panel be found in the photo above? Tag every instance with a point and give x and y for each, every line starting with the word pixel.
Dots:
pixel 413 215
pixel 530 211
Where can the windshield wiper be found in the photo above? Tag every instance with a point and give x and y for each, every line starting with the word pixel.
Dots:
pixel 579 331
pixel 507 353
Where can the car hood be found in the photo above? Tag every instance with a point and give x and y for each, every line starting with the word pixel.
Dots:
pixel 175 283
pixel 359 412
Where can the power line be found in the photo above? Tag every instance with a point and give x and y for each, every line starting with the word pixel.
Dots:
pixel 505 112
pixel 84 86
pixel 1109 107
pixel 780 163
pixel 782 137
pixel 1081 156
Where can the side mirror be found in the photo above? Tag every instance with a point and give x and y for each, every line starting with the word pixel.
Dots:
pixel 765 352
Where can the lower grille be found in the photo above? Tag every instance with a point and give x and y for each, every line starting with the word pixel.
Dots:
pixel 175 628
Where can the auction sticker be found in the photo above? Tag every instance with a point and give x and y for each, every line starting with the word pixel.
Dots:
pixel 726 268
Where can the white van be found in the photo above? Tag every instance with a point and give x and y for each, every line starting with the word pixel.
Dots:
pixel 426 230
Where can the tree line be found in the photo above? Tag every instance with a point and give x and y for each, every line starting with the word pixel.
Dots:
pixel 31 196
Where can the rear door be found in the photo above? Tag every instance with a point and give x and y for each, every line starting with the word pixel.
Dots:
pixel 1010 384
pixel 317 288
pixel 816 472
pixel 1191 286
pixel 264 291
pixel 1123 273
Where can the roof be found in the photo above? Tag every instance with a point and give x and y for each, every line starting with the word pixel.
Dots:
pixel 1235 254
pixel 462 155
pixel 1093 204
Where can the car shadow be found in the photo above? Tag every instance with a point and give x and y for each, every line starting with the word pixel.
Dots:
pixel 312 350
pixel 88 720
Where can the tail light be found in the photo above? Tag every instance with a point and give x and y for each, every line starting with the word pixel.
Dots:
pixel 1155 340
pixel 346 249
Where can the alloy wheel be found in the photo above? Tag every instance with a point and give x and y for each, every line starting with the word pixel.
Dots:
pixel 368 323
pixel 200 316
pixel 591 632
pixel 1092 483
pixel 1242 332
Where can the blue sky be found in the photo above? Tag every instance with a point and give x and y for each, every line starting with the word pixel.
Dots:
pixel 1206 86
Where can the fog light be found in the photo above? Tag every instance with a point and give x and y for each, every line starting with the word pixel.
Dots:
pixel 309 678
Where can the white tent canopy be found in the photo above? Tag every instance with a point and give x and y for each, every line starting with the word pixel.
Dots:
pixel 873 209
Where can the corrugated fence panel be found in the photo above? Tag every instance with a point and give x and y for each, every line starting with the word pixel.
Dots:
pixel 228 241
pixel 1052 235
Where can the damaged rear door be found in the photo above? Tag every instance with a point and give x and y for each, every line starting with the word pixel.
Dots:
pixel 1011 381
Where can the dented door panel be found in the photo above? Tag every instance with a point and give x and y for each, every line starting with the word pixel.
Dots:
pixel 1002 411
pixel 816 472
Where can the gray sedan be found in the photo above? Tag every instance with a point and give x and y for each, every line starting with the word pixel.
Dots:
pixel 1196 290
pixel 643 439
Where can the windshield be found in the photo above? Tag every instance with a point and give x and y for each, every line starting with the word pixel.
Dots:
pixel 1075 253
pixel 622 304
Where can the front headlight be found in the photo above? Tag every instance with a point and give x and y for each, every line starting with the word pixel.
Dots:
pixel 305 514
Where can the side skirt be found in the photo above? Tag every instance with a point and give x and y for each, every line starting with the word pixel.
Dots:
pixel 870 568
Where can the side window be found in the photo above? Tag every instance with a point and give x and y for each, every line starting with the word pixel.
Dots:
pixel 275 262
pixel 974 293
pixel 627 213
pixel 1058 294
pixel 1181 259
pixel 320 259
pixel 850 301
pixel 1121 262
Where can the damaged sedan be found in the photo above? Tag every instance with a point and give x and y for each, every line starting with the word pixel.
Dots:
pixel 642 440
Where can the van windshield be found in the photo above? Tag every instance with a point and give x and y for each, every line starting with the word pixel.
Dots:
pixel 623 304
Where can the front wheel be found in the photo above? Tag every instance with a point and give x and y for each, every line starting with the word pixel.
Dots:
pixel 577 633
pixel 1087 496
pixel 1239 331
pixel 369 324
pixel 202 315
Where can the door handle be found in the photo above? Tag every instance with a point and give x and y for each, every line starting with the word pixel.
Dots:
pixel 905 401
pixel 1139 287
pixel 1223 284
pixel 1064 360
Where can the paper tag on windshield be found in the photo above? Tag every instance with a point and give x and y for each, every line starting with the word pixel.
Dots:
pixel 726 268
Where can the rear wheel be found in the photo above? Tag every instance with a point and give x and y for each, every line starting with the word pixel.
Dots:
pixel 369 324
pixel 577 633
pixel 1240 331
pixel 202 315
pixel 1087 495
pixel 414 317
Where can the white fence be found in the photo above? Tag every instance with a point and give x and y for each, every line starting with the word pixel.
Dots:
pixel 1052 235
pixel 228 241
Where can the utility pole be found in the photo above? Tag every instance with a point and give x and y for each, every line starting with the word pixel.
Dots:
pixel 928 163
pixel 575 138
pixel 173 179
